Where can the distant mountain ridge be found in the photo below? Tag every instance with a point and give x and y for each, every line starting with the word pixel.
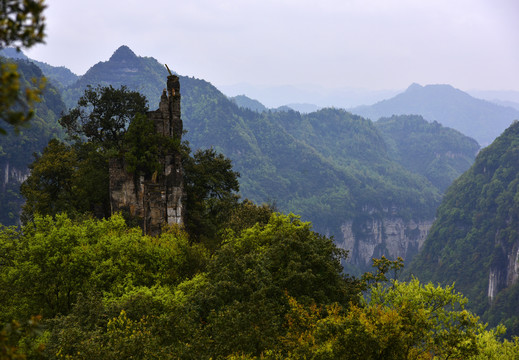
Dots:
pixel 248 103
pixel 505 103
pixel 479 119
pixel 254 105
pixel 273 96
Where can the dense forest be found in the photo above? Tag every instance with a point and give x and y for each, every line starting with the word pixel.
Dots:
pixel 273 290
pixel 438 153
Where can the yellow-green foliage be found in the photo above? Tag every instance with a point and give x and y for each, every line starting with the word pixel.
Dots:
pixel 271 291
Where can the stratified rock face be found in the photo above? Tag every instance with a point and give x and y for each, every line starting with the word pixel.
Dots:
pixel 154 201
pixel 12 174
pixel 504 269
pixel 372 236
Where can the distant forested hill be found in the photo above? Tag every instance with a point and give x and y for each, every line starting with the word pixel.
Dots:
pixel 439 153
pixel 475 239
pixel 248 103
pixel 479 119
pixel 16 150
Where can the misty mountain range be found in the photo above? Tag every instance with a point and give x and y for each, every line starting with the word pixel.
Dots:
pixel 480 119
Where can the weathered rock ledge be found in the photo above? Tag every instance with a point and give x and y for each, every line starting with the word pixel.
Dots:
pixel 372 236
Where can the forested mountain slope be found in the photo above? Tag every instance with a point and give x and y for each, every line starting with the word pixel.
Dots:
pixel 439 153
pixel 300 175
pixel 16 150
pixel 479 119
pixel 59 76
pixel 475 241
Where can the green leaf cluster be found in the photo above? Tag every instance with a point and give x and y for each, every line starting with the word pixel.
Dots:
pixel 406 320
pixel 67 179
pixel 103 114
pixel 52 262
pixel 144 146
pixel 103 288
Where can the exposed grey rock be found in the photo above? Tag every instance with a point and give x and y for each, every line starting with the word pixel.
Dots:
pixel 374 235
pixel 155 200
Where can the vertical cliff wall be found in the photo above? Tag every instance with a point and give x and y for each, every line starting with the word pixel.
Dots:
pixel 11 177
pixel 504 268
pixel 372 235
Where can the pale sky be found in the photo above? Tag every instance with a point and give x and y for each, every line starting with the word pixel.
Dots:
pixel 371 44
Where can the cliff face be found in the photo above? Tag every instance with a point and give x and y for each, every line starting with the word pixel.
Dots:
pixel 504 270
pixel 372 236
pixel 10 174
pixel 11 177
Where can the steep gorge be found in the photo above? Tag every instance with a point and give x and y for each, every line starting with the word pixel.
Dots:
pixel 475 239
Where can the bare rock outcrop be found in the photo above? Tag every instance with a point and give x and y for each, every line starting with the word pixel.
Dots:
pixel 373 235
pixel 154 200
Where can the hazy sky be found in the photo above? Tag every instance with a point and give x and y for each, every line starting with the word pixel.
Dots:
pixel 373 44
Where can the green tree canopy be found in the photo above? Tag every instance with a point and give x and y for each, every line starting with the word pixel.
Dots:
pixel 51 262
pixel 406 320
pixel 272 291
pixel 103 115
pixel 210 184
pixel 69 179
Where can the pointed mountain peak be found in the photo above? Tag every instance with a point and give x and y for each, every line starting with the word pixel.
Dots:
pixel 124 53
pixel 414 87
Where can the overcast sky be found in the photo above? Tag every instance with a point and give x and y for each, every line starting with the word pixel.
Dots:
pixel 372 44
